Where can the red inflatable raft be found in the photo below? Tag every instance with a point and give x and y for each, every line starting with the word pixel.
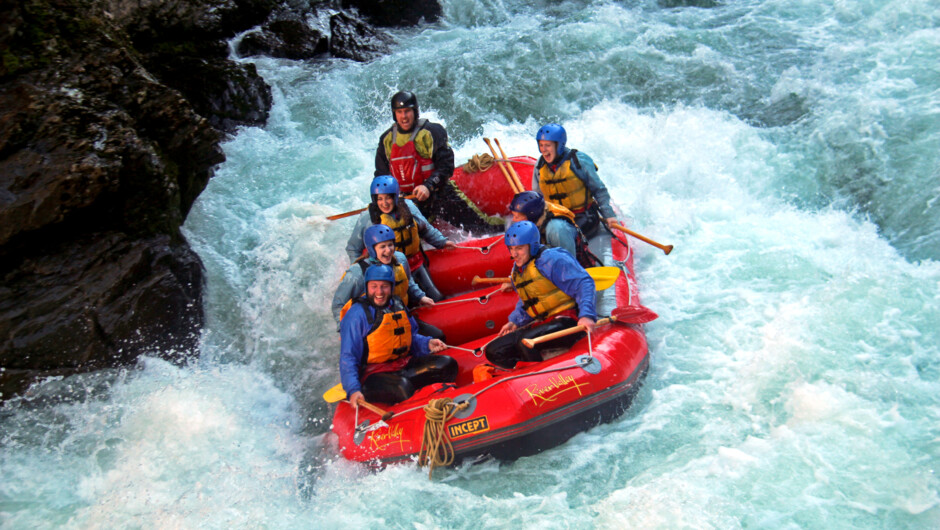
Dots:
pixel 520 412
pixel 489 189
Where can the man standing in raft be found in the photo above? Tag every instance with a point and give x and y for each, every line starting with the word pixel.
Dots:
pixel 556 225
pixel 382 356
pixel 415 151
pixel 550 284
pixel 409 226
pixel 569 178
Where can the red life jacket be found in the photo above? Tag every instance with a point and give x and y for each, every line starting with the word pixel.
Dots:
pixel 406 164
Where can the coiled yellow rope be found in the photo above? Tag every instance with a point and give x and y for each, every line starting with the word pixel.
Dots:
pixel 436 449
pixel 479 163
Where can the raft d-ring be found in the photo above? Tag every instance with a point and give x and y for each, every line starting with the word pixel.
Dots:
pixel 589 364
pixel 484 299
pixel 485 250
pixel 465 412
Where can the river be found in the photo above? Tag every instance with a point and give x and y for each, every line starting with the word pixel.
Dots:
pixel 790 152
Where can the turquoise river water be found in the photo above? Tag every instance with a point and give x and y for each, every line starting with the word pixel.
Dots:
pixel 790 150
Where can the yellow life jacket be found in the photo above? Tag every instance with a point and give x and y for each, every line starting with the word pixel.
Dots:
pixel 400 289
pixel 582 250
pixel 557 210
pixel 407 240
pixel 390 335
pixel 563 187
pixel 540 297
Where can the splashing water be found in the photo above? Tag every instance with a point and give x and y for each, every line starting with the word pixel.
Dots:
pixel 788 151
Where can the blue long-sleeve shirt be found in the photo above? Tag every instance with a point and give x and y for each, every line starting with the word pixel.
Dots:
pixel 588 174
pixel 352 332
pixel 567 274
pixel 353 285
pixel 426 231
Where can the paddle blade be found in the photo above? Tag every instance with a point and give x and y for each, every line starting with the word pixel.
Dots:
pixel 603 277
pixel 335 394
pixel 634 314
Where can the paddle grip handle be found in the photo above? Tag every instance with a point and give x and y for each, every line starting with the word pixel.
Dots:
pixel 665 248
pixel 477 279
pixel 530 343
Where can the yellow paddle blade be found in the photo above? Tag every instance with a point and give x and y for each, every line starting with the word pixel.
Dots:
pixel 604 277
pixel 335 394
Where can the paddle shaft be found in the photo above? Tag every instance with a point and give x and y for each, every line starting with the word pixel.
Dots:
pixel 603 277
pixel 477 279
pixel 354 212
pixel 529 343
pixel 509 180
pixel 665 248
pixel 515 176
pixel 386 415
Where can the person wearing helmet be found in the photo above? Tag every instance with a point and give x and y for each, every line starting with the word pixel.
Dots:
pixel 556 225
pixel 380 244
pixel 548 280
pixel 415 151
pixel 383 358
pixel 409 225
pixel 569 178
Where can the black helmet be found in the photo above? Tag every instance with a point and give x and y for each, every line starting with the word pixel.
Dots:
pixel 405 100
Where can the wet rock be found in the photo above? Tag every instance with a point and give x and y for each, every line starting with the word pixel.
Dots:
pixel 397 13
pixel 99 164
pixel 96 301
pixel 111 114
pixel 287 39
pixel 183 45
pixel 351 38
pixel 227 93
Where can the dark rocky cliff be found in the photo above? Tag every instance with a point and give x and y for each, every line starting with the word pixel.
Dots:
pixel 111 114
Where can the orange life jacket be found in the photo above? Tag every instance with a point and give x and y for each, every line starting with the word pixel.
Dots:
pixel 390 335
pixel 400 289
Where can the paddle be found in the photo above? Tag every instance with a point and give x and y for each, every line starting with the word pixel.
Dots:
pixel 515 176
pixel 384 414
pixel 530 343
pixel 665 248
pixel 338 394
pixel 603 277
pixel 634 314
pixel 354 212
pixel 509 180
pixel 335 394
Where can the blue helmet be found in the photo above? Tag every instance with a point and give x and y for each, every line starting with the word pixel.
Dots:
pixel 374 235
pixel 381 273
pixel 531 204
pixel 384 184
pixel 553 133
pixel 524 233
